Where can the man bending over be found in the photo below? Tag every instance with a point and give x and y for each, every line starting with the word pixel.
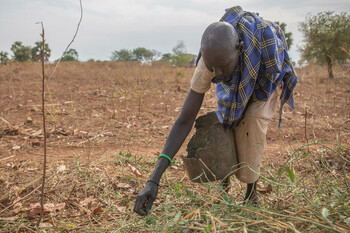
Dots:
pixel 247 57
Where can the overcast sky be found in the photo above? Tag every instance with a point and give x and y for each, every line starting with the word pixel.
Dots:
pixel 110 25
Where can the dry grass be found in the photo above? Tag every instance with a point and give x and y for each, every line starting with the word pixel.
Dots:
pixel 100 194
pixel 108 116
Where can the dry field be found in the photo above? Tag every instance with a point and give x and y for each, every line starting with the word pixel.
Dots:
pixel 108 121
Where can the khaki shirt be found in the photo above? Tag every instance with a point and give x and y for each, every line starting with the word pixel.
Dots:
pixel 201 79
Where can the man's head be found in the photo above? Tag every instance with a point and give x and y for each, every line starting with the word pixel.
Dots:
pixel 220 49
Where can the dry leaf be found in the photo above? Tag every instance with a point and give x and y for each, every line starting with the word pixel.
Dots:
pixel 45 225
pixel 95 169
pixel 29 120
pixel 80 133
pixel 30 169
pixel 123 186
pixel 35 143
pixel 49 209
pixel 264 190
pixel 37 133
pixel 62 131
pixel 61 168
pixel 107 134
pixel 16 147
pixel 17 207
pixel 134 170
pixel 121 209
pixel 87 202
pixel 97 210
pixel 13 165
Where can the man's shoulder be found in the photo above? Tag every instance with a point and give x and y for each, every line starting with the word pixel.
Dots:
pixel 272 29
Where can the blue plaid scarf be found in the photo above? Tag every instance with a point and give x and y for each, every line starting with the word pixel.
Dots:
pixel 263 65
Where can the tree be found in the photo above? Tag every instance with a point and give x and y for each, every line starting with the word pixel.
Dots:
pixel 4 57
pixel 166 57
pixel 180 57
pixel 20 52
pixel 37 50
pixel 70 55
pixel 142 54
pixel 122 55
pixel 325 34
pixel 288 35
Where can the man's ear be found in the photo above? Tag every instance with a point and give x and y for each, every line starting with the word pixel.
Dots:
pixel 240 47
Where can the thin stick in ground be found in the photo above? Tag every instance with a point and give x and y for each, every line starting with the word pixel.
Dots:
pixel 43 101
pixel 44 122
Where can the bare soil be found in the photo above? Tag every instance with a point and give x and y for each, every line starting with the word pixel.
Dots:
pixel 96 110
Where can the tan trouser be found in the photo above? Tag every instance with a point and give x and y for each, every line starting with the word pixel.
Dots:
pixel 250 137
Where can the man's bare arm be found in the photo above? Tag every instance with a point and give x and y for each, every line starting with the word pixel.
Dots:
pixel 179 131
pixel 177 136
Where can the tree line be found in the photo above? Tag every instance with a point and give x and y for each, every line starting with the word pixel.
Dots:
pixel 178 57
pixel 326 36
pixel 23 53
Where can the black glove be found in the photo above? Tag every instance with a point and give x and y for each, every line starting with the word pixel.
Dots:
pixel 146 198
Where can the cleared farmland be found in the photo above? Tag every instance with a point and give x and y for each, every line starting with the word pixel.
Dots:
pixel 108 119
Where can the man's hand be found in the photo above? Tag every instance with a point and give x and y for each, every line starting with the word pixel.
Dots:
pixel 145 199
